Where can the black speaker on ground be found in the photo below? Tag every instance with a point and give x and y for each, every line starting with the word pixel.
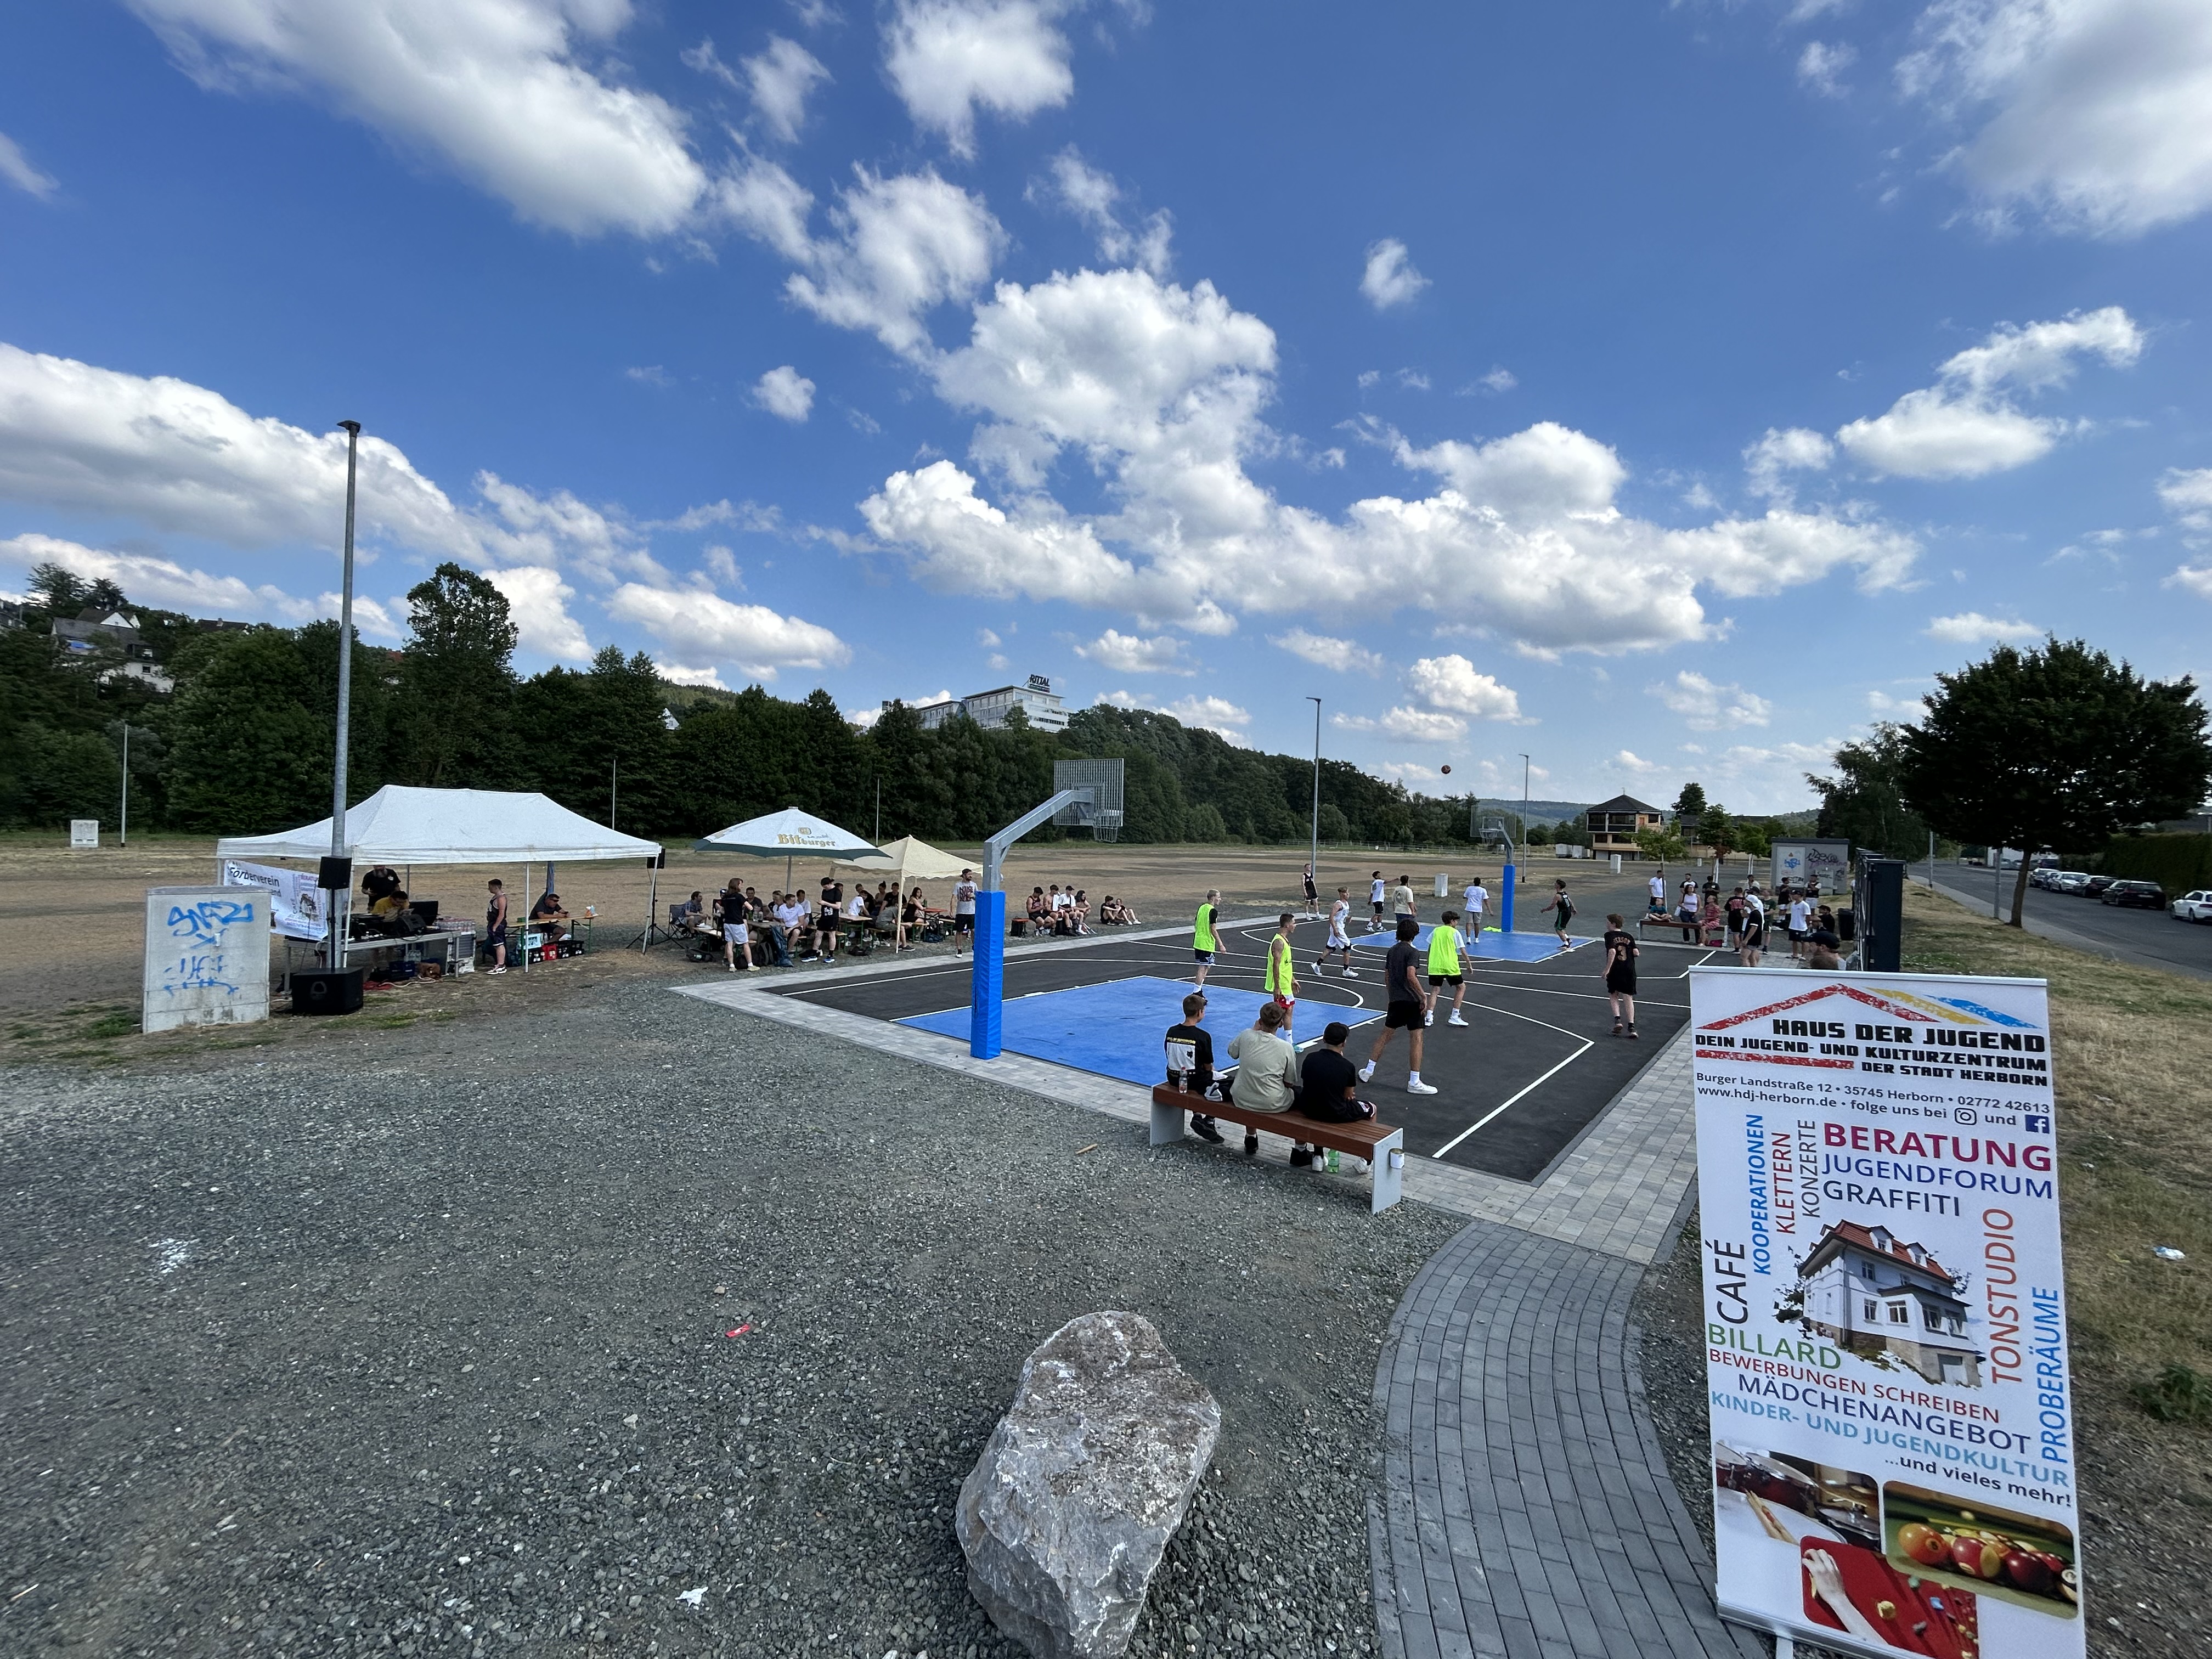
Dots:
pixel 327 991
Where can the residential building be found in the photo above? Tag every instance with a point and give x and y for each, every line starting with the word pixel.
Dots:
pixel 1868 1290
pixel 1614 824
pixel 1037 700
pixel 92 627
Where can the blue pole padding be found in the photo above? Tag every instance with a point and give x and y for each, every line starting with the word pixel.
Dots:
pixel 990 980
pixel 1505 911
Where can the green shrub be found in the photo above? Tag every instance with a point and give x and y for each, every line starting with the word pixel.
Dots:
pixel 2177 1395
pixel 2179 863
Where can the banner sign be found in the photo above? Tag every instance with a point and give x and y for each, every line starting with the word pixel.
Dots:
pixel 1828 862
pixel 1885 1309
pixel 295 903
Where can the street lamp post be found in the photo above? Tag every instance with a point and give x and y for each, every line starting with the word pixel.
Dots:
pixel 337 922
pixel 124 832
pixel 1316 865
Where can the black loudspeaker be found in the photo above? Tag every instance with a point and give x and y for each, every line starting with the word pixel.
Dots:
pixel 1847 924
pixel 658 862
pixel 326 991
pixel 335 875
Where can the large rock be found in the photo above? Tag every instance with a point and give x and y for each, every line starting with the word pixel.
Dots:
pixel 1066 1515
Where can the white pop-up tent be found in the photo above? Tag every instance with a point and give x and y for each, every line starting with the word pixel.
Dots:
pixel 399 824
pixel 911 858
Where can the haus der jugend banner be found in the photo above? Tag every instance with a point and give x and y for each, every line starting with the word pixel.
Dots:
pixel 1884 1312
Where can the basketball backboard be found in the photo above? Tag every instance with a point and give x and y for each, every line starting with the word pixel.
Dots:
pixel 1102 818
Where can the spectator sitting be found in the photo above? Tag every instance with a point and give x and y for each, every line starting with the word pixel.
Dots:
pixel 1328 1087
pixel 692 910
pixel 790 914
pixel 1038 909
pixel 1267 1077
pixel 910 915
pixel 546 912
pixel 1190 1052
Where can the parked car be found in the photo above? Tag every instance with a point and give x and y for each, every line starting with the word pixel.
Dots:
pixel 2135 894
pixel 2095 886
pixel 2192 906
pixel 2070 881
pixel 2044 875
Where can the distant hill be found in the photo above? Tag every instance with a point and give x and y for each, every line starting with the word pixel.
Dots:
pixel 1540 811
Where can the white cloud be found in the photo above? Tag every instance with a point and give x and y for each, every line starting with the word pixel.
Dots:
pixel 1215 713
pixel 2090 113
pixel 900 247
pixel 650 375
pixel 16 169
pixel 698 627
pixel 1092 197
pixel 724 564
pixel 1412 774
pixel 1389 278
pixel 1820 66
pixel 1324 651
pixel 169 586
pixel 1704 706
pixel 1408 725
pixel 948 58
pixel 988 639
pixel 1904 710
pixel 1628 761
pixel 1500 379
pixel 538 599
pixel 1126 654
pixel 493 86
pixel 1779 452
pixel 2196 578
pixel 1972 628
pixel 1159 391
pixel 1451 683
pixel 1966 426
pixel 781 79
pixel 2188 496
pixel 683 675
pixel 785 393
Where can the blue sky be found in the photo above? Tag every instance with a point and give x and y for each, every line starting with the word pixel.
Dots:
pixel 1664 391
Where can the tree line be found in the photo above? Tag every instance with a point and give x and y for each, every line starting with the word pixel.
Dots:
pixel 243 744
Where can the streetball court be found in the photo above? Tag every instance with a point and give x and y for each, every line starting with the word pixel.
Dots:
pixel 1534 1068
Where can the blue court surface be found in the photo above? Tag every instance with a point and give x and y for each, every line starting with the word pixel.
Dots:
pixel 1489 944
pixel 1115 1028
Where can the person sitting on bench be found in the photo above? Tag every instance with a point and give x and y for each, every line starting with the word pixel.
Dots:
pixel 1328 1087
pixel 1267 1077
pixel 1190 1062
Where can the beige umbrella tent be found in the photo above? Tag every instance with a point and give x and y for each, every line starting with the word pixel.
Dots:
pixel 911 858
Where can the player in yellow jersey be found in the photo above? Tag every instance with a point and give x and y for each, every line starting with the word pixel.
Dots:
pixel 1445 969
pixel 1282 981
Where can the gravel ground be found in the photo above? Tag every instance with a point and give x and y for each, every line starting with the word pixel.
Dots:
pixel 487 1336
pixel 2149 1586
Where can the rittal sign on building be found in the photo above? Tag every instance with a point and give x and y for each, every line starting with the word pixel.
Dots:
pixel 1891 1403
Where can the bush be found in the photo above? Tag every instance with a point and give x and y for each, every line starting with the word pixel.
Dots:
pixel 2177 1395
pixel 1206 823
pixel 2176 862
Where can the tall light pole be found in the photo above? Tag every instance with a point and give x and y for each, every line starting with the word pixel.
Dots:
pixel 338 921
pixel 124 832
pixel 1316 865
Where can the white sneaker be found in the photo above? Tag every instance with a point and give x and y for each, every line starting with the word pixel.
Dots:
pixel 1420 1088
pixel 1454 1019
pixel 1365 1072
pixel 1428 1019
pixel 1352 973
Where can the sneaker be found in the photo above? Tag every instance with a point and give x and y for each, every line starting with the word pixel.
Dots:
pixel 1428 1019
pixel 497 970
pixel 1251 1145
pixel 1301 1159
pixel 1203 1127
pixel 1454 1019
pixel 1352 973
pixel 1420 1088
pixel 1631 1031
pixel 1616 1028
pixel 1367 1071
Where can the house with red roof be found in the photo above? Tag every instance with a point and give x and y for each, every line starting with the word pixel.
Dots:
pixel 1868 1291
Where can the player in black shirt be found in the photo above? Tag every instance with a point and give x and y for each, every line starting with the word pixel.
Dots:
pixel 1191 1041
pixel 1408 1004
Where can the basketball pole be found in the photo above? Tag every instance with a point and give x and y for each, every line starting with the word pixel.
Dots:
pixel 987 983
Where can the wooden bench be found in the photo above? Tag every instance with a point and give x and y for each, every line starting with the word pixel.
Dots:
pixel 1383 1147
pixel 1672 924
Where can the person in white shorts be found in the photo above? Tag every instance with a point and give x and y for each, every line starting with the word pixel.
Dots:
pixel 1471 907
pixel 1340 941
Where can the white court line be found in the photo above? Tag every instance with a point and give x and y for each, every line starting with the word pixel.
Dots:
pixel 1587 1046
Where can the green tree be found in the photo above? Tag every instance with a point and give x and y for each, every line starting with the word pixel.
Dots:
pixel 64 775
pixel 105 596
pixel 455 714
pixel 1205 825
pixel 1691 803
pixel 1662 845
pixel 1718 831
pixel 2059 746
pixel 1864 802
pixel 59 590
pixel 248 755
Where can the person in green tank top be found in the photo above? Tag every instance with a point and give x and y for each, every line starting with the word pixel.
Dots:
pixel 1204 932
pixel 1282 976
pixel 1445 969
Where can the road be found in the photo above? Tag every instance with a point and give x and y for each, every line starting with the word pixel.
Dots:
pixel 2148 939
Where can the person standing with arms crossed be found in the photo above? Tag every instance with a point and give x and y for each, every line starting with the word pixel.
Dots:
pixel 1408 1002
pixel 1445 969
pixel 963 910
pixel 1205 933
pixel 1282 978
pixel 1339 936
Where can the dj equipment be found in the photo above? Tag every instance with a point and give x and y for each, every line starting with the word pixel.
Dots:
pixel 326 991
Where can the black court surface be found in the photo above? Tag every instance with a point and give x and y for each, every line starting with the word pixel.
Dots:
pixel 1533 1066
